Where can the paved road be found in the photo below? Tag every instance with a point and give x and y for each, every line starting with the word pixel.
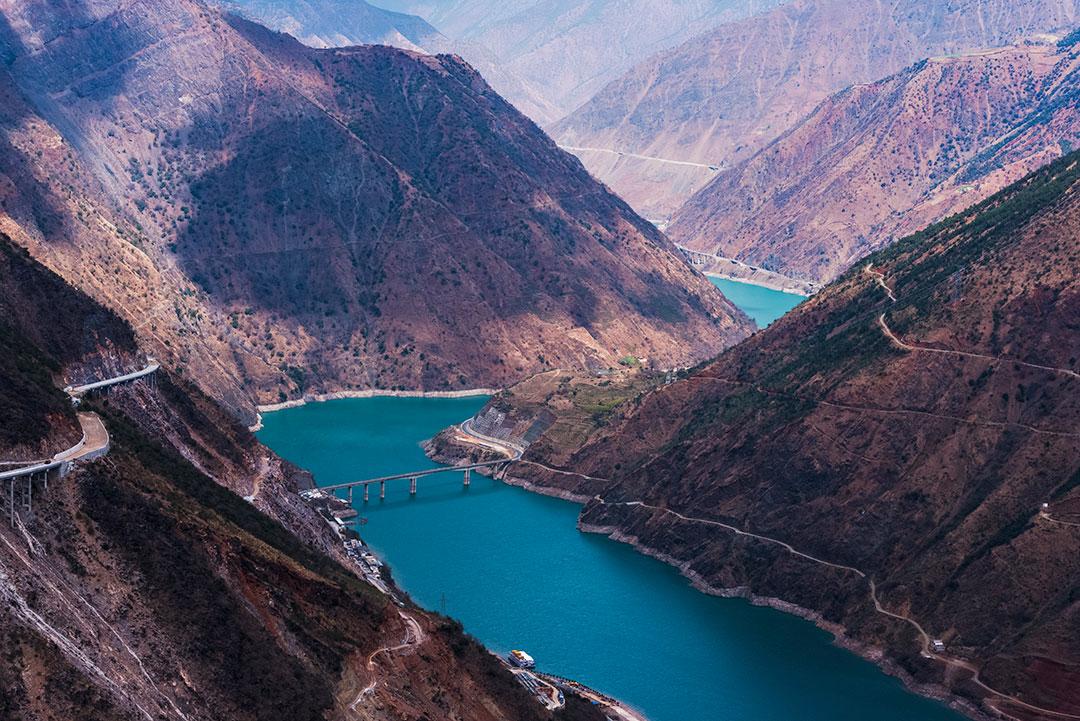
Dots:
pixel 715 168
pixel 79 390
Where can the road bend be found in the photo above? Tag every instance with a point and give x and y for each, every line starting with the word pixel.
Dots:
pixel 414 636
pixel 901 343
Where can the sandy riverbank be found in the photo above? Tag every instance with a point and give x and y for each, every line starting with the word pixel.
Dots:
pixel 369 393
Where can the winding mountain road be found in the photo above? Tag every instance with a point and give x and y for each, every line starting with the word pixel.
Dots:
pixel 622 154
pixel 414 636
pixel 900 343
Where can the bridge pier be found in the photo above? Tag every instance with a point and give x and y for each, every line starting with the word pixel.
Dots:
pixel 11 487
pixel 350 495
pixel 366 490
pixel 382 490
pixel 467 479
pixel 412 486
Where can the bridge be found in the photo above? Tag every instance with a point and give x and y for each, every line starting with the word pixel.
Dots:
pixel 94 444
pixel 413 477
pixel 78 391
pixel 512 450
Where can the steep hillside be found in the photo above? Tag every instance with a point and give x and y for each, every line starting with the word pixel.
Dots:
pixel 276 220
pixel 718 98
pixel 866 451
pixel 340 23
pixel 562 51
pixel 876 162
pixel 141 587
pixel 332 23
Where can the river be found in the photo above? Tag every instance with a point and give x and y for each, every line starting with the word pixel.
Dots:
pixel 762 304
pixel 513 568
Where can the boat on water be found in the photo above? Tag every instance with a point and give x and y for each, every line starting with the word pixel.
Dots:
pixel 521 659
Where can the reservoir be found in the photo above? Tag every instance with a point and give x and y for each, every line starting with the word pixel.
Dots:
pixel 513 568
pixel 762 304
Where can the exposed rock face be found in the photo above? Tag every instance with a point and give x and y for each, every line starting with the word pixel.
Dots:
pixel 925 470
pixel 276 219
pixel 876 162
pixel 718 98
pixel 144 586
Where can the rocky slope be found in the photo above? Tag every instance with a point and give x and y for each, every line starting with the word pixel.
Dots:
pixel 866 449
pixel 333 23
pixel 719 97
pixel 560 52
pixel 275 219
pixel 143 586
pixel 341 23
pixel 876 162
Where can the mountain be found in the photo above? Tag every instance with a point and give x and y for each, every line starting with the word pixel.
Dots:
pixel 881 466
pixel 720 97
pixel 142 585
pixel 878 161
pixel 333 23
pixel 561 52
pixel 341 23
pixel 276 220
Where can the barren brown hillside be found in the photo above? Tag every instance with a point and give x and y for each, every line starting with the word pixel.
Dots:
pixel 718 98
pixel 878 161
pixel 276 220
pixel 865 450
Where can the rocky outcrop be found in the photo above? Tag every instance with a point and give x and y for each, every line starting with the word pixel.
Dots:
pixel 878 161
pixel 722 96
pixel 277 220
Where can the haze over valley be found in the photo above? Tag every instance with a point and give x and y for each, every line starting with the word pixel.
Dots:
pixel 539 360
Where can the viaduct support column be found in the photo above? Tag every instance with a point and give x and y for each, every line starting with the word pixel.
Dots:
pixel 366 487
pixel 467 479
pixel 350 494
pixel 412 486
pixel 382 490
pixel 11 487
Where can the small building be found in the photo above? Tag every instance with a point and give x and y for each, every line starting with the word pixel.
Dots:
pixel 937 646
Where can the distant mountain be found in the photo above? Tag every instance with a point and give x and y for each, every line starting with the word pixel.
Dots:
pixel 864 449
pixel 560 52
pixel 878 161
pixel 341 23
pixel 277 220
pixel 334 23
pixel 720 97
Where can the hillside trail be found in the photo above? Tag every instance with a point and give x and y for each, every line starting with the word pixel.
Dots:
pixel 999 697
pixel 414 636
pixel 900 343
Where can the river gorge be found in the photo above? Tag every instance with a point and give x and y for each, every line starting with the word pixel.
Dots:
pixel 513 568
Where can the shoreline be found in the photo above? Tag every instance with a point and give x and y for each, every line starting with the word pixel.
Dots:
pixel 868 652
pixel 776 285
pixel 369 393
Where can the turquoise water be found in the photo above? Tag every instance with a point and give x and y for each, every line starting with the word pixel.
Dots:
pixel 513 568
pixel 764 305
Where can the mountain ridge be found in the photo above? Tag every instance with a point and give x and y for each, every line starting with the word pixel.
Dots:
pixel 879 160
pixel 895 457
pixel 264 217
pixel 723 95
